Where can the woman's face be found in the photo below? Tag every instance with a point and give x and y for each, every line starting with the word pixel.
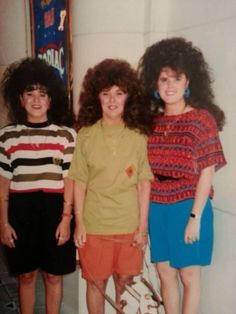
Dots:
pixel 36 103
pixel 171 86
pixel 112 101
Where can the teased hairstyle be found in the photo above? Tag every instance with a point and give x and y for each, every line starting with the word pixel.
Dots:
pixel 181 56
pixel 106 74
pixel 28 74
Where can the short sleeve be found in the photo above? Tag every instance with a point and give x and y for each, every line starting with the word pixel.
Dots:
pixel 70 136
pixel 5 162
pixel 209 150
pixel 78 170
pixel 144 170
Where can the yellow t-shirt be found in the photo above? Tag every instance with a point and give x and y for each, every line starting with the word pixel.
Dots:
pixel 110 160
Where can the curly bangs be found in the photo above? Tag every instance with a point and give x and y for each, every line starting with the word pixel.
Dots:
pixel 108 73
pixel 28 74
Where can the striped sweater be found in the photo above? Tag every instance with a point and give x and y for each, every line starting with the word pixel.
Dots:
pixel 180 147
pixel 36 157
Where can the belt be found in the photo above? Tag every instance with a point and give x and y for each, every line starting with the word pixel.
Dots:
pixel 160 177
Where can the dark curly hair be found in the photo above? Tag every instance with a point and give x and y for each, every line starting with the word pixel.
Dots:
pixel 104 75
pixel 181 56
pixel 28 74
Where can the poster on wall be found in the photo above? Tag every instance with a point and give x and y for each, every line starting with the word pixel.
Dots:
pixel 51 36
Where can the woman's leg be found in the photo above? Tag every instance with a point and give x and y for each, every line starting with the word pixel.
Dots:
pixel 95 298
pixel 191 280
pixel 169 287
pixel 53 290
pixel 120 281
pixel 27 284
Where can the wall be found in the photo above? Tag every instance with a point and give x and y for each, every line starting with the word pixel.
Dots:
pixel 106 29
pixel 12 37
pixel 122 29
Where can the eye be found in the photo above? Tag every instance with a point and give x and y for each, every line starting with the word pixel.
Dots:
pixel 179 77
pixel 29 94
pixel 163 79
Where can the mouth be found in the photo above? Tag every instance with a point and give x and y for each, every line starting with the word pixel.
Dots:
pixel 37 107
pixel 170 93
pixel 112 107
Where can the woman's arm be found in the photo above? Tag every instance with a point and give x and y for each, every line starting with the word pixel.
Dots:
pixel 144 188
pixel 80 189
pixel 7 233
pixel 63 229
pixel 192 231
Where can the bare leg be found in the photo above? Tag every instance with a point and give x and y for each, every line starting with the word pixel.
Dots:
pixel 120 282
pixel 169 287
pixel 191 279
pixel 95 298
pixel 27 284
pixel 53 289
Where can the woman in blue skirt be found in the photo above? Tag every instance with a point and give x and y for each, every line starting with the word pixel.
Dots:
pixel 184 152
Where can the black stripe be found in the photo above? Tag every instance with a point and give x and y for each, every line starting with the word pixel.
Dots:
pixel 66 165
pixel 5 167
pixel 34 162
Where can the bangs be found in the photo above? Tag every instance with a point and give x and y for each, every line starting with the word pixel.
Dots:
pixel 34 86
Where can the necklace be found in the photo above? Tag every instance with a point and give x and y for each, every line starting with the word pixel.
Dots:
pixel 112 136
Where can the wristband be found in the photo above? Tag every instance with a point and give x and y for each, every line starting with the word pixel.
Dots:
pixel 68 215
pixel 194 215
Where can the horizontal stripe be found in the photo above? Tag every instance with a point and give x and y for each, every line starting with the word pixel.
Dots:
pixel 36 162
pixel 36 147
pixel 36 177
pixel 36 190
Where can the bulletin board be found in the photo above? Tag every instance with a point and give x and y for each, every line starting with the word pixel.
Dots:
pixel 50 22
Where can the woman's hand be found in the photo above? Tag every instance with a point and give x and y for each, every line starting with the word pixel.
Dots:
pixel 8 235
pixel 140 239
pixel 192 230
pixel 63 231
pixel 80 235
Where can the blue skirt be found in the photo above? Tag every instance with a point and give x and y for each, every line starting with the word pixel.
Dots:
pixel 167 223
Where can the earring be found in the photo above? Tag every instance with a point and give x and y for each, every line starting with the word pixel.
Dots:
pixel 156 94
pixel 187 92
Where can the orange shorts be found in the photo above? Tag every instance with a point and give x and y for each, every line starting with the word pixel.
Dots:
pixel 103 255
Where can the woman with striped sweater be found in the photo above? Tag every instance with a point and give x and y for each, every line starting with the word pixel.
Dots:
pixel 36 196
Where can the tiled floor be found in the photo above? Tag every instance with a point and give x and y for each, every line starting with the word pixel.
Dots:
pixel 8 291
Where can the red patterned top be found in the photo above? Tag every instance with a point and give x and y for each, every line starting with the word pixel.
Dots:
pixel 180 147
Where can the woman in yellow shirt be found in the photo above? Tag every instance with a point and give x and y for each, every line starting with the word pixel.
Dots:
pixel 112 179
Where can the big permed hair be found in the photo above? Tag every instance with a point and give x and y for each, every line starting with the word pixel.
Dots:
pixel 28 74
pixel 104 75
pixel 181 56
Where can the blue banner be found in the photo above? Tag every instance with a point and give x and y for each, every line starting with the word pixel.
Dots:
pixel 50 35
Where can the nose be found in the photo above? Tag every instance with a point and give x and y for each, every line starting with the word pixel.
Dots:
pixel 35 98
pixel 112 98
pixel 169 83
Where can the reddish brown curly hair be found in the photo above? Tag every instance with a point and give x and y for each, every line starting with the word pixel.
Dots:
pixel 104 75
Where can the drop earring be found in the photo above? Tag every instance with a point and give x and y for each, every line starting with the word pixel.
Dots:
pixel 187 92
pixel 156 94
